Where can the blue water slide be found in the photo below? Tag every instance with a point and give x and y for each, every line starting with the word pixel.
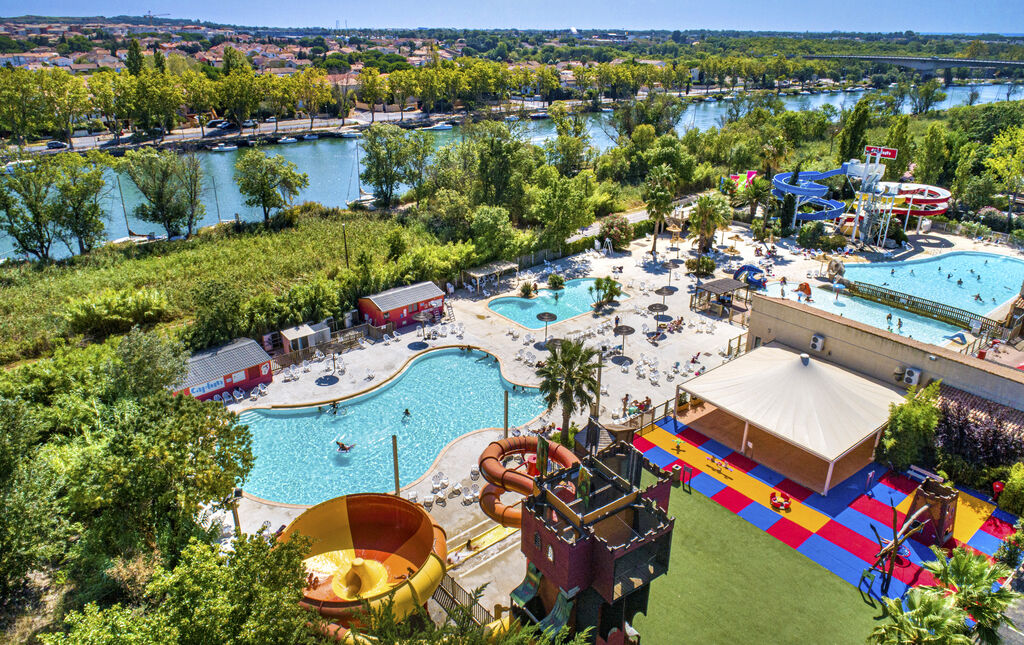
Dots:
pixel 808 191
pixel 750 271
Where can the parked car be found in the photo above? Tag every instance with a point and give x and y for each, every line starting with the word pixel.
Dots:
pixel 56 145
pixel 270 119
pixel 227 127
pixel 216 123
pixel 248 123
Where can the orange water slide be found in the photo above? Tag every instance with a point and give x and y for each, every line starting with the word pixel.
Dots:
pixel 501 479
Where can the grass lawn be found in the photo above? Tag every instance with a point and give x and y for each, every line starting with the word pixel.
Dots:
pixel 729 582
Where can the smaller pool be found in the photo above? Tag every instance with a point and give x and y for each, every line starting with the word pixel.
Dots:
pixel 572 300
pixel 872 313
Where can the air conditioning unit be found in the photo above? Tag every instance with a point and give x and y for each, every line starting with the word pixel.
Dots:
pixel 911 376
pixel 817 342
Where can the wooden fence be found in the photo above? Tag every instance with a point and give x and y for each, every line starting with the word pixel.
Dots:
pixel 928 308
pixel 341 341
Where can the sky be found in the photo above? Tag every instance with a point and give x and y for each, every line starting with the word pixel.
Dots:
pixel 938 16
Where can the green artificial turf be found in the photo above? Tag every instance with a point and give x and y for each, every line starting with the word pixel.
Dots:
pixel 731 583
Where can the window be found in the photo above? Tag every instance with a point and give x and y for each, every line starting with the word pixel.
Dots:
pixel 757 341
pixel 387 315
pixel 414 307
pixel 536 540
pixel 551 553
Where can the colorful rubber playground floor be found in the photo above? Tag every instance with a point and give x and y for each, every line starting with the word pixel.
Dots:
pixel 834 531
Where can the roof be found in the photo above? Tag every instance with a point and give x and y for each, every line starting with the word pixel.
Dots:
pixel 298 331
pixel 404 296
pixel 722 286
pixel 979 408
pixel 810 403
pixel 498 266
pixel 211 364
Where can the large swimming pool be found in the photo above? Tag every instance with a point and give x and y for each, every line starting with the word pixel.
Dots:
pixel 449 392
pixel 572 300
pixel 872 313
pixel 951 278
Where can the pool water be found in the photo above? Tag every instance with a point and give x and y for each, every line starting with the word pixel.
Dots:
pixel 449 392
pixel 936 278
pixel 872 313
pixel 572 300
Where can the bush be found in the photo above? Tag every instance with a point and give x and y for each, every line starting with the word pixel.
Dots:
pixel 526 290
pixel 618 229
pixel 909 437
pixel 1017 237
pixel 809 235
pixel 555 281
pixel 1012 548
pixel 981 439
pixel 1012 498
pixel 115 311
pixel 702 266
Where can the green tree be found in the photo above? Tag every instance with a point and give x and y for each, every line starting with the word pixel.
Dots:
pixel 159 62
pixel 910 434
pixel 973 584
pixel 403 85
pixel 27 210
pixel 76 206
pixel 372 88
pixel 569 380
pixel 234 61
pixel 899 138
pixel 385 155
pixel 709 215
pixel 21 103
pixel 240 94
pixel 1006 160
pixel 218 316
pixel 199 94
pixel 312 91
pixel 755 193
pixel 854 133
pixel 114 625
pixel 774 152
pixel 931 158
pixel 190 178
pixel 964 170
pixel 493 232
pixel 658 192
pixel 925 95
pixel 560 204
pixel 146 363
pixel 268 182
pixel 281 96
pixel 113 99
pixel 65 99
pixel 134 62
pixel 156 174
pixel 927 619
pixel 158 99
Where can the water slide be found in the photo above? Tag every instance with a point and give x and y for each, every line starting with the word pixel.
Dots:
pixel 808 192
pixel 749 271
pixel 558 617
pixel 501 479
pixel 371 548
pixel 920 200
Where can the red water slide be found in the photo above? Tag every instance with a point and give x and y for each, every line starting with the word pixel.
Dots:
pixel 516 480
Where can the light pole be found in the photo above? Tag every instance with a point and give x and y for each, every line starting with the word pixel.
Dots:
pixel 600 366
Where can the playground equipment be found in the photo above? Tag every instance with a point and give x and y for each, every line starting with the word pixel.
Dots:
pixel 501 478
pixel 371 548
pixel 808 192
pixel 594 541
pixel 750 274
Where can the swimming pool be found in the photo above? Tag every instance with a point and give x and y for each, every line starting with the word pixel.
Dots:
pixel 872 313
pixel 951 278
pixel 572 300
pixel 449 392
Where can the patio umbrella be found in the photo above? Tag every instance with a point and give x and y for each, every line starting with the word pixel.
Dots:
pixel 422 316
pixel 732 250
pixel 623 330
pixel 838 286
pixel 657 307
pixel 670 265
pixel 736 238
pixel 664 291
pixel 546 317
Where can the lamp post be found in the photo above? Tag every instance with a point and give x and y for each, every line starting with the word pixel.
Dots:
pixel 600 365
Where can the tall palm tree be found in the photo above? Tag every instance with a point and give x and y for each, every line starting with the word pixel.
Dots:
pixel 775 153
pixel 757 192
pixel 709 215
pixel 971 583
pixel 928 619
pixel 658 192
pixel 569 379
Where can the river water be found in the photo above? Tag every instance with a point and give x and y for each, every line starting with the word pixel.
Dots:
pixel 331 163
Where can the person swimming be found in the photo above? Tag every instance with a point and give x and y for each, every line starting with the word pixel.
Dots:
pixel 888 318
pixel 899 323
pixel 892 272
pixel 911 272
pixel 959 282
pixel 345 447
pixel 334 407
pixel 978 297
pixel 979 277
pixel 407 413
pixel 949 275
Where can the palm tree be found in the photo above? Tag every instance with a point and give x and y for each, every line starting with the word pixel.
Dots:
pixel 757 192
pixel 775 153
pixel 929 619
pixel 569 379
pixel 973 586
pixel 658 192
pixel 709 215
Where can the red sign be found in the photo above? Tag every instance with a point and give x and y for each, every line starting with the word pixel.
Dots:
pixel 883 153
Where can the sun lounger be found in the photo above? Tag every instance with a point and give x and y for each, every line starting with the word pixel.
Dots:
pixel 263 389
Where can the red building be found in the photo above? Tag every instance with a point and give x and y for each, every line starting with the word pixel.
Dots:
pixel 400 304
pixel 241 364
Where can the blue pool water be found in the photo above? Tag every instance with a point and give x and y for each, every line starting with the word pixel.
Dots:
pixel 872 313
pixel 449 393
pixel 570 301
pixel 935 278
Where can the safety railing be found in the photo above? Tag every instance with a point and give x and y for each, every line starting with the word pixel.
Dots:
pixel 453 599
pixel 977 323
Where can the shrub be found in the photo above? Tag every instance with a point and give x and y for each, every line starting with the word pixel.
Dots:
pixel 115 311
pixel 555 281
pixel 1012 548
pixel 980 438
pixel 911 430
pixel 702 266
pixel 809 235
pixel 1012 498
pixel 526 290
pixel 1017 237
pixel 618 229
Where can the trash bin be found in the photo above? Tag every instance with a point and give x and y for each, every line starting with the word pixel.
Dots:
pixel 677 471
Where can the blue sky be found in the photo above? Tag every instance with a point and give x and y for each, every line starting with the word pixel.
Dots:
pixel 789 15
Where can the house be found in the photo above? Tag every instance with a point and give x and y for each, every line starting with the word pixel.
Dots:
pixel 400 304
pixel 305 335
pixel 240 364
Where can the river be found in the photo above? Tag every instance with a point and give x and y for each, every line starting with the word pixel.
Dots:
pixel 331 163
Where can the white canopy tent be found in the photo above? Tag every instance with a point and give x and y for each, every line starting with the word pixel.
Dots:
pixel 818 407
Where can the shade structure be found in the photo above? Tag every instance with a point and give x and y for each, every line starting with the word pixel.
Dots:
pixel 732 250
pixel 546 317
pixel 623 330
pixel 807 402
pixel 664 292
pixel 736 237
pixel 657 307
pixel 422 316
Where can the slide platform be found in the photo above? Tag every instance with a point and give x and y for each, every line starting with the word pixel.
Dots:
pixel 501 479
pixel 749 273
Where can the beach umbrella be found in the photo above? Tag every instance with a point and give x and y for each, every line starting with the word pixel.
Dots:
pixel 546 317
pixel 623 330
pixel 664 291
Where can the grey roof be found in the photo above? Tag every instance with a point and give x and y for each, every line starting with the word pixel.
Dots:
pixel 722 285
pixel 211 364
pixel 404 296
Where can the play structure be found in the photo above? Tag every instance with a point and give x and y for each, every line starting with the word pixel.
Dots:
pixel 752 275
pixel 594 541
pixel 808 192
pixel 519 479
pixel 371 548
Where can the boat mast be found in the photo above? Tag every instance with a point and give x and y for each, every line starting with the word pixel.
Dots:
pixel 124 209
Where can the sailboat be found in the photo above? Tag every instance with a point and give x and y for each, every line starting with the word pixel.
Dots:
pixel 366 200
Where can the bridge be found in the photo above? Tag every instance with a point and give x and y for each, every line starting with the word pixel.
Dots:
pixel 927 64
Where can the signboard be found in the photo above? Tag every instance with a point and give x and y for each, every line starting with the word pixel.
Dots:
pixel 199 390
pixel 741 181
pixel 265 369
pixel 237 377
pixel 881 152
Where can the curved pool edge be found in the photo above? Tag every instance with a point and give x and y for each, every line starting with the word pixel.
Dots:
pixel 487 304
pixel 405 366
